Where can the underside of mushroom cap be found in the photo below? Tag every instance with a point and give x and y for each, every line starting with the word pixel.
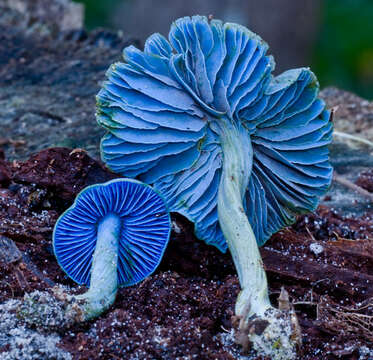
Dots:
pixel 160 106
pixel 144 233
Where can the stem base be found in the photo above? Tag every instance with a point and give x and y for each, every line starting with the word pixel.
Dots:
pixel 270 335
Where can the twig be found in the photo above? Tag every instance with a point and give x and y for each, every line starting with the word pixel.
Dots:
pixel 352 137
pixel 15 143
pixel 348 319
pixel 343 181
pixel 305 303
pixel 310 234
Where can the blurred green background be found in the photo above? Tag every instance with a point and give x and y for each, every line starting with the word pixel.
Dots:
pixel 343 54
pixel 340 43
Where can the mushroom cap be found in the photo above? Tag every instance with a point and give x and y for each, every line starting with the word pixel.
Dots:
pixel 144 234
pixel 159 107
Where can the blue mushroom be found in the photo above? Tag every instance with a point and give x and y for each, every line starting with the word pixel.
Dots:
pixel 236 150
pixel 113 235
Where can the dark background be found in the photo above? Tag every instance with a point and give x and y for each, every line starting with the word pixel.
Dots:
pixel 333 37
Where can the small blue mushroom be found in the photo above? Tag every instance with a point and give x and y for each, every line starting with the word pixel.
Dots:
pixel 236 150
pixel 113 235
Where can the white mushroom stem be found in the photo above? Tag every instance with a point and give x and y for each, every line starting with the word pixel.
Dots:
pixel 104 276
pixel 253 301
pixel 237 163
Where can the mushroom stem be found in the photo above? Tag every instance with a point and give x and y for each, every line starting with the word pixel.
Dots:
pixel 104 276
pixel 237 163
pixel 268 329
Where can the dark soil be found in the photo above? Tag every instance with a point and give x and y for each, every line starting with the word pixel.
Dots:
pixel 325 262
pixel 365 180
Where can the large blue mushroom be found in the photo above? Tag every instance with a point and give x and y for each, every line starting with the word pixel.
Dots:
pixel 113 235
pixel 236 150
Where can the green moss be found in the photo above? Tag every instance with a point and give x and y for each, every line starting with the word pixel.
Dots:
pixel 277 344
